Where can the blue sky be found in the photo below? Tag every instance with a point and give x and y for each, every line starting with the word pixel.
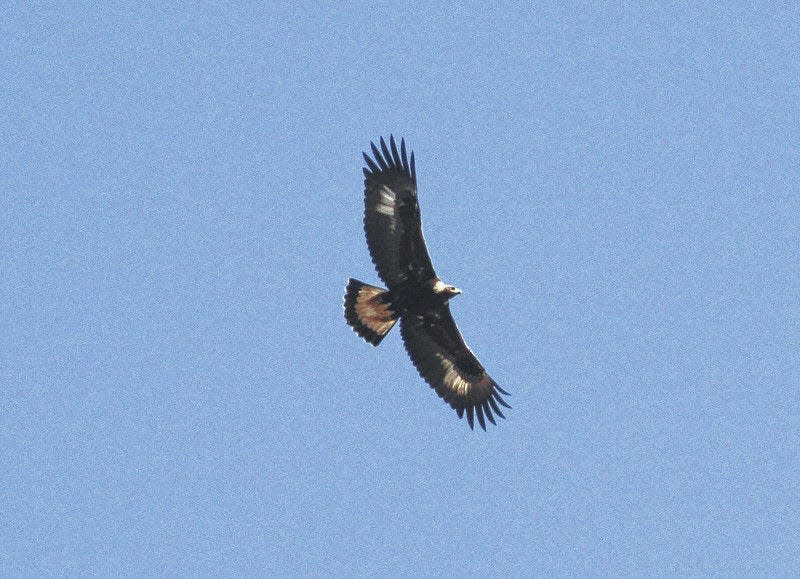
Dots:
pixel 615 188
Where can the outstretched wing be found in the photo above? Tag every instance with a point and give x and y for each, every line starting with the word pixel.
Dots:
pixel 391 216
pixel 449 366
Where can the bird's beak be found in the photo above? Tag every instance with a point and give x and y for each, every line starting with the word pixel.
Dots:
pixel 456 291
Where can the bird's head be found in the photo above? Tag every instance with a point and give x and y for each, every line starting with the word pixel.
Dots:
pixel 444 290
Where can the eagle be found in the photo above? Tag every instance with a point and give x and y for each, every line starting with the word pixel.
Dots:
pixel 415 295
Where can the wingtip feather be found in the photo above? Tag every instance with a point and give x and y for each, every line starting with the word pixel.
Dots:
pixel 488 412
pixel 500 400
pixel 494 406
pixel 373 168
pixel 378 157
pixel 479 412
pixel 386 155
pixel 395 155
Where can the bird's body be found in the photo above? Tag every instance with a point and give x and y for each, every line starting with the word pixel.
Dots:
pixel 415 295
pixel 424 298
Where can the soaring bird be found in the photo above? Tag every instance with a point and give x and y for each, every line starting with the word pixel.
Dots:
pixel 415 295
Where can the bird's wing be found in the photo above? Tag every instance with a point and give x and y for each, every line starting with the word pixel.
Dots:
pixel 449 366
pixel 391 216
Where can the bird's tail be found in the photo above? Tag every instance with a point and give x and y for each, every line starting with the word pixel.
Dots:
pixel 368 309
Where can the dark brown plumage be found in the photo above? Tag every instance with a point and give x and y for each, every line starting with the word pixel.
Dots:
pixel 415 295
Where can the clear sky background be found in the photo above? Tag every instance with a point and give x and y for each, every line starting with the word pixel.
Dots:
pixel 615 188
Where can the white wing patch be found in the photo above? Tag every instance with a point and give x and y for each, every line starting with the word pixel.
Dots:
pixel 452 377
pixel 387 203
